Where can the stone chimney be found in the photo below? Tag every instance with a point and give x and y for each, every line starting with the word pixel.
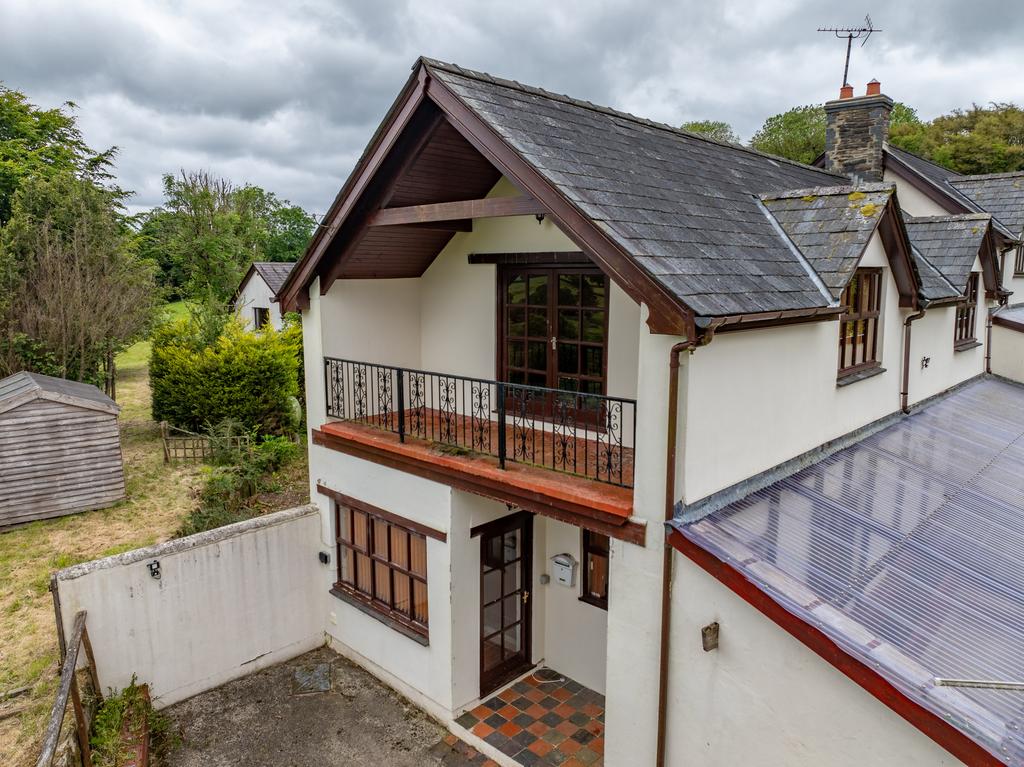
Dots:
pixel 856 129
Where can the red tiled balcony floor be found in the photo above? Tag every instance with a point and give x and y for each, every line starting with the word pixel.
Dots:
pixel 537 722
pixel 516 483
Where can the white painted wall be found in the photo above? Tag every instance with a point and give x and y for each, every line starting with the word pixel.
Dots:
pixel 912 201
pixel 229 602
pixel 1008 353
pixel 760 397
pixel 575 633
pixel 764 698
pixel 257 294
pixel 1011 281
pixel 370 321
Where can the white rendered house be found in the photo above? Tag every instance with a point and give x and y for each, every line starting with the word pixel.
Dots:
pixel 620 437
pixel 255 300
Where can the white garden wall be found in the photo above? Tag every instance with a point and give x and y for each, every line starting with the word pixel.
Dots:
pixel 228 602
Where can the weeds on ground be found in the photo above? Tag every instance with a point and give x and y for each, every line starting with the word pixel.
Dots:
pixel 119 716
pixel 236 474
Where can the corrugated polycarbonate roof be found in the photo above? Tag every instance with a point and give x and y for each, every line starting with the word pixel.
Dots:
pixel 907 549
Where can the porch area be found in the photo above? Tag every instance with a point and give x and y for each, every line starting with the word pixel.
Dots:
pixel 545 718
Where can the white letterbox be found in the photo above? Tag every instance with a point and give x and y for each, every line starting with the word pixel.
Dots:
pixel 564 566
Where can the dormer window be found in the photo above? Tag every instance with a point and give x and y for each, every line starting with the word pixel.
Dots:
pixel 858 324
pixel 967 315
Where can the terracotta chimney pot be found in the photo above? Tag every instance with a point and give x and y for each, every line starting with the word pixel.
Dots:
pixel 846 92
pixel 874 88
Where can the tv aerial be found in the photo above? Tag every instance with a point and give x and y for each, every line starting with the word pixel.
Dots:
pixel 851 34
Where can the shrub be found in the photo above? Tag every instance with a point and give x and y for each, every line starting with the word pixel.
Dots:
pixel 127 707
pixel 248 377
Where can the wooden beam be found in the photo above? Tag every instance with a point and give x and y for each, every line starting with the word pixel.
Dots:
pixel 489 207
pixel 458 225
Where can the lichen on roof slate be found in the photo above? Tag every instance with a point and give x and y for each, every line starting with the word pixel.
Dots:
pixel 831 226
pixel 949 243
pixel 684 207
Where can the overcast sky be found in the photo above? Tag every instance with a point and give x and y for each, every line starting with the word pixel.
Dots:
pixel 286 95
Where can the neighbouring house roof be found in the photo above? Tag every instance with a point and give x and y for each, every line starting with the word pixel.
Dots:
pixel 904 549
pixel 951 244
pixel 1010 317
pixel 23 387
pixel 831 226
pixel 682 206
pixel 274 273
pixel 999 194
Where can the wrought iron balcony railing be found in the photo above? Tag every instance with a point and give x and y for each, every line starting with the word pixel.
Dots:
pixel 588 435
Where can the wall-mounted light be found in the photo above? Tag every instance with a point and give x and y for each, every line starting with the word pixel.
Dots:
pixel 709 637
pixel 925 361
pixel 325 558
pixel 154 569
pixel 540 218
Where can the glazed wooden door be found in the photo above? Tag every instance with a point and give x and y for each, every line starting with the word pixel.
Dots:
pixel 555 328
pixel 505 600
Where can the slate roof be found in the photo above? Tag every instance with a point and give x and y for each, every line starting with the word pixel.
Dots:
pixel 904 549
pixel 25 382
pixel 274 273
pixel 949 243
pixel 831 226
pixel 998 193
pixel 1001 194
pixel 685 207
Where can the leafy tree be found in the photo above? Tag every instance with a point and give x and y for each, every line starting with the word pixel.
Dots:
pixel 75 289
pixel 42 143
pixel 208 231
pixel 799 134
pixel 976 140
pixel 714 129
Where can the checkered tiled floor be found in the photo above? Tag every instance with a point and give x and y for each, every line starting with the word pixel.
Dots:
pixel 543 723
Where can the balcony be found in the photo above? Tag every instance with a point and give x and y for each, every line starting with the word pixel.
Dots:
pixel 569 451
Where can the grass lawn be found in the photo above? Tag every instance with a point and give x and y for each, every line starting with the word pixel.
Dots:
pixel 159 497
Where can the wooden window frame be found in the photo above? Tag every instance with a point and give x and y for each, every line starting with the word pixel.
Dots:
pixel 260 313
pixel 1018 262
pixel 966 324
pixel 591 547
pixel 369 601
pixel 869 298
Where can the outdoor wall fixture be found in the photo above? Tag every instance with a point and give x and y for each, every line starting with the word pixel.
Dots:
pixel 154 569
pixel 925 361
pixel 709 637
pixel 325 558
pixel 540 218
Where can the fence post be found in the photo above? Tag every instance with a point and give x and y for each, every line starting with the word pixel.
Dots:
pixel 401 404
pixel 501 424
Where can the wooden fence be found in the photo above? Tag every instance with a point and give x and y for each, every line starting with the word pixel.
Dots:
pixel 68 688
pixel 181 445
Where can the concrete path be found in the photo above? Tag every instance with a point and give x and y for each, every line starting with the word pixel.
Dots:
pixel 318 709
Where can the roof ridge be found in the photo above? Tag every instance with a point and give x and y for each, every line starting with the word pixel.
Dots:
pixel 947 217
pixel 986 176
pixel 566 99
pixel 827 191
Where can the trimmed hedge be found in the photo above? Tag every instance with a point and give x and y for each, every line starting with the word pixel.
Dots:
pixel 249 377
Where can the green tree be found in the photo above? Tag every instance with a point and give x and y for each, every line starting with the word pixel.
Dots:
pixel 42 143
pixel 799 134
pixel 75 289
pixel 208 231
pixel 976 140
pixel 713 129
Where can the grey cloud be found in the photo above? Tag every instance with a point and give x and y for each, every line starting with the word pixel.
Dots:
pixel 286 95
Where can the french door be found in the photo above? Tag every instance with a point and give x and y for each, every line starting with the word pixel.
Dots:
pixel 505 608
pixel 554 328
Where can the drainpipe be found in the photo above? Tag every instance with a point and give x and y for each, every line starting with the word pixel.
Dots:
pixel 988 341
pixel 666 567
pixel 905 392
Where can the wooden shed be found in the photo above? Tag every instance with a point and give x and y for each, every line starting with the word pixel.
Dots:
pixel 60 448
